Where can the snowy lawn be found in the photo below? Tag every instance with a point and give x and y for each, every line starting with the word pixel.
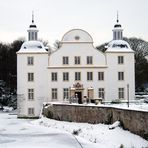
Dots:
pixel 47 133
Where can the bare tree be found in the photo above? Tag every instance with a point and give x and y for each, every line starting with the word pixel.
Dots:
pixel 57 44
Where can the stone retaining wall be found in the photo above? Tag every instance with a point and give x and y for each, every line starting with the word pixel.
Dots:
pixel 132 120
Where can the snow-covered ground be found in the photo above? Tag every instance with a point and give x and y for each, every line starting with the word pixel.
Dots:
pixel 138 105
pixel 45 133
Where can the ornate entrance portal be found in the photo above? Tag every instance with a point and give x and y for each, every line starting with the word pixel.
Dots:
pixel 77 92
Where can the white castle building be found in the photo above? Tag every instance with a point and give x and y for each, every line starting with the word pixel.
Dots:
pixel 75 70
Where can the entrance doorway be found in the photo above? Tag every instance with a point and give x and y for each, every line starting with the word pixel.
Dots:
pixel 79 96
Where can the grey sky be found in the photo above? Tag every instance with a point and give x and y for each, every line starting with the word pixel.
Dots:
pixel 55 17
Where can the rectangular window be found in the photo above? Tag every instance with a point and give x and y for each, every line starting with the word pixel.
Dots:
pixel 89 60
pixel 100 76
pixel 120 59
pixel 120 75
pixel 121 93
pixel 54 76
pixel 77 60
pixel 65 76
pixel 30 60
pixel 54 93
pixel 30 111
pixel 89 76
pixel 101 93
pixel 65 94
pixel 30 94
pixel 30 77
pixel 77 76
pixel 65 60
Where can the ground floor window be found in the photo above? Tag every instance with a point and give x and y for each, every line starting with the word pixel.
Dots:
pixel 65 93
pixel 101 93
pixel 121 93
pixel 30 111
pixel 54 93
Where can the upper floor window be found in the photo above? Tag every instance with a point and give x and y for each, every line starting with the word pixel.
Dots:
pixel 65 76
pixel 54 76
pixel 54 93
pixel 30 60
pixel 65 60
pixel 77 76
pixel 30 76
pixel 30 94
pixel 89 76
pixel 101 76
pixel 121 93
pixel 77 60
pixel 120 75
pixel 89 60
pixel 120 59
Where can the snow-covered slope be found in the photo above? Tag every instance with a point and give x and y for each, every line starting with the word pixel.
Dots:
pixel 45 133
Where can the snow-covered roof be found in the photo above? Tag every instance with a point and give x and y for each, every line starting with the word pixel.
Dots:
pixel 118 46
pixel 77 35
pixel 32 46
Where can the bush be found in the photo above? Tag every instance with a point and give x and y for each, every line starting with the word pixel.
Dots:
pixel 117 101
pixel 76 132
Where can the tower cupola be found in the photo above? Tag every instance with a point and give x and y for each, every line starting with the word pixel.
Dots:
pixel 117 31
pixel 32 31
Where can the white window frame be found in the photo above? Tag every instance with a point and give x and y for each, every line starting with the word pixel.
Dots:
pixel 30 77
pixel 65 76
pixel 120 75
pixel 65 93
pixel 65 60
pixel 30 61
pixel 54 76
pixel 120 59
pixel 101 93
pixel 54 93
pixel 121 93
pixel 30 94
pixel 77 60
pixel 90 76
pixel 77 76
pixel 89 60
pixel 101 76
pixel 31 111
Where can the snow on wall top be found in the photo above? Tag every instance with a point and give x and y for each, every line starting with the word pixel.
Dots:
pixel 77 35
pixel 32 46
pixel 118 46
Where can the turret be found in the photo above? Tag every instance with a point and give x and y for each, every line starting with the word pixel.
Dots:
pixel 117 31
pixel 32 31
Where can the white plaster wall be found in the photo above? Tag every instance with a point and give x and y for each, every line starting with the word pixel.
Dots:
pixel 60 84
pixel 83 50
pixel 77 49
pixel 112 75
pixel 39 85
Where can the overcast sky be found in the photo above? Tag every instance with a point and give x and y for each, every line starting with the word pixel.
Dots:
pixel 55 17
